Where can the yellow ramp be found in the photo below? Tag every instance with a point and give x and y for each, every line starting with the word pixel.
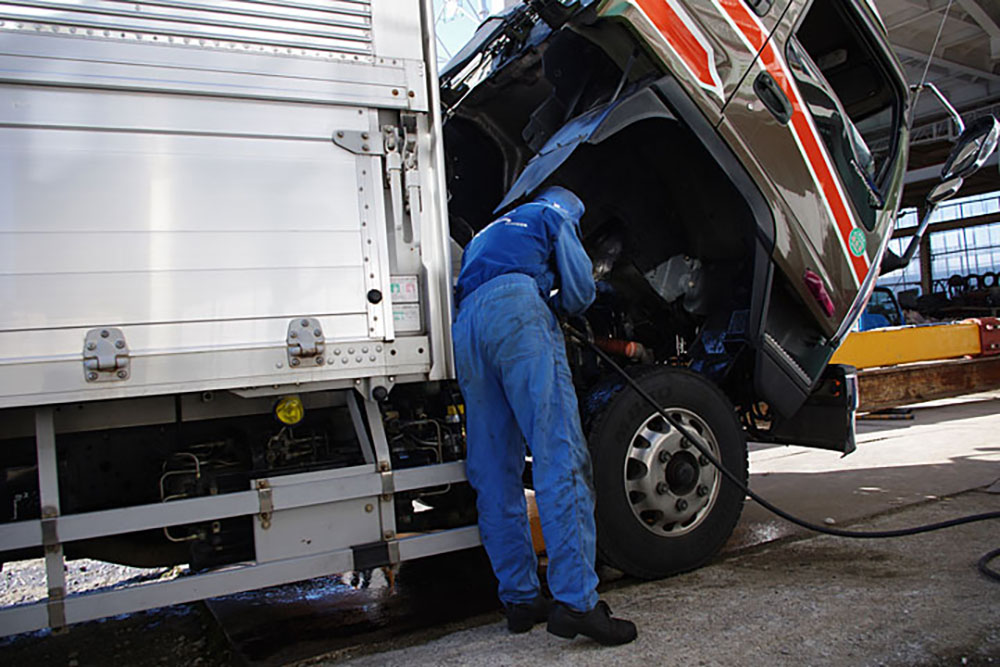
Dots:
pixel 904 345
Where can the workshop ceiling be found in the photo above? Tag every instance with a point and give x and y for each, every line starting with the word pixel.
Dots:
pixel 965 66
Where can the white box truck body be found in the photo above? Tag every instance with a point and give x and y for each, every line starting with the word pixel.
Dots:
pixel 208 206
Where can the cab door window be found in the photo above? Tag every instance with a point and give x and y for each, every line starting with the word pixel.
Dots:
pixel 855 102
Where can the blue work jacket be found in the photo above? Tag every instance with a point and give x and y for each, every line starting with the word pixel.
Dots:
pixel 539 240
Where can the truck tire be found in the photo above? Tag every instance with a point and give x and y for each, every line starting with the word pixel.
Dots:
pixel 661 507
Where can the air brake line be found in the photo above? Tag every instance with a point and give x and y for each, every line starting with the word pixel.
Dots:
pixel 983 563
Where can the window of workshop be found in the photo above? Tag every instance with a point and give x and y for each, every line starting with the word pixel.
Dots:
pixel 961 258
pixel 906 279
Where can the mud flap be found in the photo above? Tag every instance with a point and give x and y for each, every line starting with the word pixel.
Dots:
pixel 826 419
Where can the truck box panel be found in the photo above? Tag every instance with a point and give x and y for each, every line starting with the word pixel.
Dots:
pixel 121 111
pixel 67 343
pixel 343 27
pixel 158 251
pixel 120 299
pixel 170 182
pixel 190 192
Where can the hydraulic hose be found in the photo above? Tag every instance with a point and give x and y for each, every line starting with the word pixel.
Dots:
pixel 983 563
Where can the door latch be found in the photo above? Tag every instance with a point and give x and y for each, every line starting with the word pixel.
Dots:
pixel 403 175
pixel 266 502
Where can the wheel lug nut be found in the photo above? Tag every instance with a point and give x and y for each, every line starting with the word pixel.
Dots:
pixel 703 460
pixel 662 488
pixel 702 491
pixel 681 505
pixel 664 456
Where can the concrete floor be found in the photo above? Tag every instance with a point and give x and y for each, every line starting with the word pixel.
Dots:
pixel 818 601
pixel 779 597
pixel 948 447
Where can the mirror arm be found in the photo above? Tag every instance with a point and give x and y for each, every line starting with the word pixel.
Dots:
pixel 956 118
pixel 893 262
pixel 890 262
pixel 918 236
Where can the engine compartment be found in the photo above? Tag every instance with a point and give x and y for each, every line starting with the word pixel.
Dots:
pixel 673 242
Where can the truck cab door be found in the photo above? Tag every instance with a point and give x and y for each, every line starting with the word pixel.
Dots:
pixel 825 86
pixel 702 42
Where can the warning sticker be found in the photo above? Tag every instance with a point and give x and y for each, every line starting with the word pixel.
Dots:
pixel 406 317
pixel 404 289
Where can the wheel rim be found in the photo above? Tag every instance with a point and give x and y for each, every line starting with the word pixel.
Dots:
pixel 671 487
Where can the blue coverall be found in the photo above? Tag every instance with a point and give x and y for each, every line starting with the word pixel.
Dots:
pixel 512 370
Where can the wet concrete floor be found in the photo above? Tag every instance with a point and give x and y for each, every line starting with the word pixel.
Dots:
pixel 286 624
pixel 820 601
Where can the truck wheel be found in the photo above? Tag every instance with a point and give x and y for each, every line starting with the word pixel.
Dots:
pixel 662 508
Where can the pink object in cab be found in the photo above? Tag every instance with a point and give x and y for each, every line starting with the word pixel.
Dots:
pixel 816 287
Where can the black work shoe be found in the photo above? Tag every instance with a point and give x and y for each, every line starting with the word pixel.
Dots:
pixel 523 617
pixel 596 624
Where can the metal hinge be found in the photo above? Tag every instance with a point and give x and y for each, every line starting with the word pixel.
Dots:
pixel 305 342
pixel 105 355
pixel 357 142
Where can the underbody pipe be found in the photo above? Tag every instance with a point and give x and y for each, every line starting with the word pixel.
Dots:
pixel 629 349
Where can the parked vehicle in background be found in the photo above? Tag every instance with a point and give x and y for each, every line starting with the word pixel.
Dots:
pixel 883 311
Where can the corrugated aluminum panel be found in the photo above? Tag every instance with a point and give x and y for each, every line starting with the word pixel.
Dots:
pixel 339 26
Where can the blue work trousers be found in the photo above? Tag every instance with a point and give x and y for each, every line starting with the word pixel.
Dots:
pixel 512 369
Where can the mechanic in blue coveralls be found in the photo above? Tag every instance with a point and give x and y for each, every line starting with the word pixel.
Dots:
pixel 512 370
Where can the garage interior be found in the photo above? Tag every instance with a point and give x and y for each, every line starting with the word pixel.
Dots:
pixel 777 594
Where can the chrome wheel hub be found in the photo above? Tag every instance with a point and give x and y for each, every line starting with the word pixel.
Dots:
pixel 671 487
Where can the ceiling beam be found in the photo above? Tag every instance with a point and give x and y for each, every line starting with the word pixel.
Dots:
pixel 980 16
pixel 960 223
pixel 933 172
pixel 959 68
pixel 919 16
pixel 988 21
pixel 928 11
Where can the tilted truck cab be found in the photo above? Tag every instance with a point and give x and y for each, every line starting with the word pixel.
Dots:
pixel 737 213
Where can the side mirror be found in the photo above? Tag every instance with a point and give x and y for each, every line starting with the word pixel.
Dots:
pixel 944 191
pixel 972 149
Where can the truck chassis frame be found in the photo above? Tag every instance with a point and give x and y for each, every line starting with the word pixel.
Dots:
pixel 359 498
